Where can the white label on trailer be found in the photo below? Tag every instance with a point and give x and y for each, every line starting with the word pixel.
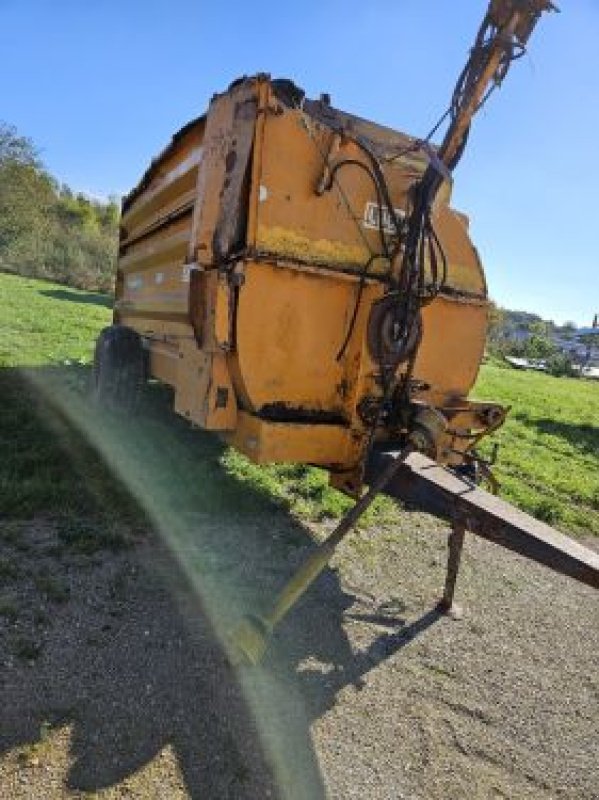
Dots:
pixel 372 217
pixel 159 277
pixel 194 157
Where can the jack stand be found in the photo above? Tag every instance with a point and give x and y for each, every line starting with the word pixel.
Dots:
pixel 455 544
pixel 251 637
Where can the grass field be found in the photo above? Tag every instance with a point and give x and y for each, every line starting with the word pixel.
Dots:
pixel 549 458
pixel 549 447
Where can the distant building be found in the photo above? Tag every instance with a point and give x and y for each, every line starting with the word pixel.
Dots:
pixel 580 345
pixel 588 340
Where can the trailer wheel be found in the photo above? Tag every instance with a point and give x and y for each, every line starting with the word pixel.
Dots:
pixel 119 368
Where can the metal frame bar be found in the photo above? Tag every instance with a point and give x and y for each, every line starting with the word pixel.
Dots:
pixel 422 483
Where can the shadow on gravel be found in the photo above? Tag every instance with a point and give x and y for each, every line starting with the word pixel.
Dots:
pixel 345 667
pixel 130 667
pixel 130 655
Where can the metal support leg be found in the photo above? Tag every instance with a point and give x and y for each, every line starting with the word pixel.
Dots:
pixel 251 637
pixel 456 543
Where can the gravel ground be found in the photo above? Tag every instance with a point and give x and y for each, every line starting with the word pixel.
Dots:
pixel 112 683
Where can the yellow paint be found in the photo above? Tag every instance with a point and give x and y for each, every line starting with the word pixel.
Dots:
pixel 290 325
pixel 260 334
pixel 203 390
pixel 285 242
pixel 222 314
pixel 292 442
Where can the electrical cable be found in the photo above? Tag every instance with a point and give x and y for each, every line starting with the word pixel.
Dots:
pixel 356 163
pixel 421 239
pixel 352 323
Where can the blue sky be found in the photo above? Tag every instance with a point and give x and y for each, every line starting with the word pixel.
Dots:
pixel 100 86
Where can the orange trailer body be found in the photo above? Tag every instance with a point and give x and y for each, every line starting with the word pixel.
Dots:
pixel 252 284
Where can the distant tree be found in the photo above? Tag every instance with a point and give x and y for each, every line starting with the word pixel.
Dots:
pixel 560 364
pixel 495 329
pixel 45 229
pixel 539 344
pixel 567 330
pixel 15 149
pixel 496 321
pixel 26 196
pixel 110 213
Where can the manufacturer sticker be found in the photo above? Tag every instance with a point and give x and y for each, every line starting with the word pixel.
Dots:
pixel 372 217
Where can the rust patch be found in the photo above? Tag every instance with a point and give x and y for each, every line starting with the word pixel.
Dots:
pixel 230 161
pixel 282 412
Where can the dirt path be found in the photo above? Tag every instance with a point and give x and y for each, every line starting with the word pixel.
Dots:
pixel 112 684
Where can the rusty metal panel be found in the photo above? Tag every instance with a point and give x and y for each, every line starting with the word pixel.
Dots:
pixel 230 231
pixel 176 152
pixel 303 143
pixel 221 208
pixel 165 186
pixel 290 325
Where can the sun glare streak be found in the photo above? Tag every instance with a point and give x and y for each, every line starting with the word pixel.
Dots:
pixel 216 548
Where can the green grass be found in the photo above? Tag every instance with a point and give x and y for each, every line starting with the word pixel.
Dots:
pixel 9 571
pixel 48 332
pixel 53 588
pixel 26 649
pixel 549 458
pixel 8 609
pixel 549 446
pixel 44 323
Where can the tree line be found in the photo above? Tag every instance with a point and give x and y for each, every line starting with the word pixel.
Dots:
pixel 48 231
pixel 559 347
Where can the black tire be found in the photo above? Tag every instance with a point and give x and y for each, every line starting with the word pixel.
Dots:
pixel 119 368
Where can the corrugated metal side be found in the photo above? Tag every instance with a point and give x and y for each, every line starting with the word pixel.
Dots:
pixel 155 233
